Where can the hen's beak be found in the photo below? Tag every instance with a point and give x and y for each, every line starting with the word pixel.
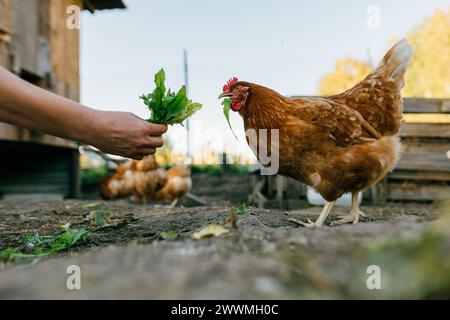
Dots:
pixel 225 95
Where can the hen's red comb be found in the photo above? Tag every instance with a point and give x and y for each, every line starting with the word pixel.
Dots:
pixel 229 84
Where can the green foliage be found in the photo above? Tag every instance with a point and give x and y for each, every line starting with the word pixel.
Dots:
pixel 226 111
pixel 10 254
pixel 44 245
pixel 93 177
pixel 168 107
pixel 240 210
pixel 66 240
pixel 168 235
pixel 100 218
pixel 218 170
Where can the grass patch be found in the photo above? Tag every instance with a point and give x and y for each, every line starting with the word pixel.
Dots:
pixel 221 170
pixel 93 177
pixel 36 246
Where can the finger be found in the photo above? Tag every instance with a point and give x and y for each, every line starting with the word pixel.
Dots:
pixel 157 129
pixel 154 142
pixel 147 151
pixel 136 156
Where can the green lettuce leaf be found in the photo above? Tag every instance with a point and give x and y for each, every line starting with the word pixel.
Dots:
pixel 226 111
pixel 167 107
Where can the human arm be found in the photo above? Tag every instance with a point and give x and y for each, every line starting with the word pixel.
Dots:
pixel 121 133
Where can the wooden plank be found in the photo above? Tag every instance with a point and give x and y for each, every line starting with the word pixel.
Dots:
pixel 379 193
pixel 425 155
pixel 25 22
pixel 419 175
pixel 5 14
pixel 280 185
pixel 5 60
pixel 418 192
pixel 65 49
pixel 426 117
pixel 13 133
pixel 295 189
pixel 425 130
pixel 5 31
pixel 419 105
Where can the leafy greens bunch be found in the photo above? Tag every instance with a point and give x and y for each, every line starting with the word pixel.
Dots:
pixel 168 107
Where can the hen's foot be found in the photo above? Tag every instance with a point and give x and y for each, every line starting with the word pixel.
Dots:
pixel 308 224
pixel 353 217
pixel 174 203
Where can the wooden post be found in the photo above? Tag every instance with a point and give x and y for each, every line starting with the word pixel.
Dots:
pixel 74 180
pixel 280 186
pixel 379 193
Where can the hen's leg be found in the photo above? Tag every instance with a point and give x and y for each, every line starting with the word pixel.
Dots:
pixel 354 215
pixel 174 203
pixel 320 221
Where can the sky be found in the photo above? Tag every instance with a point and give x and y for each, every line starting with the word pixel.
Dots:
pixel 287 45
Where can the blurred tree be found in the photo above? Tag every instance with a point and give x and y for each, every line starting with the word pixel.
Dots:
pixel 347 72
pixel 428 74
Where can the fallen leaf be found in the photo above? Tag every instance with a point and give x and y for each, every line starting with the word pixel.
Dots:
pixel 213 230
pixel 100 218
pixel 168 235
pixel 90 205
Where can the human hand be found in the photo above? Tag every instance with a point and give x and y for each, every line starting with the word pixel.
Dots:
pixel 124 134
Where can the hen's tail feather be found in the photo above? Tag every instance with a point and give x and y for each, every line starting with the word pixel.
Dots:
pixel 395 62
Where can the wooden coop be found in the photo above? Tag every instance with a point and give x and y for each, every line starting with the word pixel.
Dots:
pixel 422 174
pixel 37 45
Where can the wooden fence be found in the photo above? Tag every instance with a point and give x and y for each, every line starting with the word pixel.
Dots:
pixel 423 172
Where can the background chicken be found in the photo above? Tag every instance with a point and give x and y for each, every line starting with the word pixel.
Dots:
pixel 342 143
pixel 179 183
pixel 145 180
pixel 147 183
pixel 138 178
pixel 121 183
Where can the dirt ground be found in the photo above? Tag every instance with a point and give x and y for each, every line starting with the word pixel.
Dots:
pixel 266 256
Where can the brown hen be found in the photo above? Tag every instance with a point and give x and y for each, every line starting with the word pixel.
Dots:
pixel 142 179
pixel 338 144
pixel 178 184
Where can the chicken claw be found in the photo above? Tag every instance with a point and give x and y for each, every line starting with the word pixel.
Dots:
pixel 351 218
pixel 320 220
pixel 354 215
pixel 309 224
